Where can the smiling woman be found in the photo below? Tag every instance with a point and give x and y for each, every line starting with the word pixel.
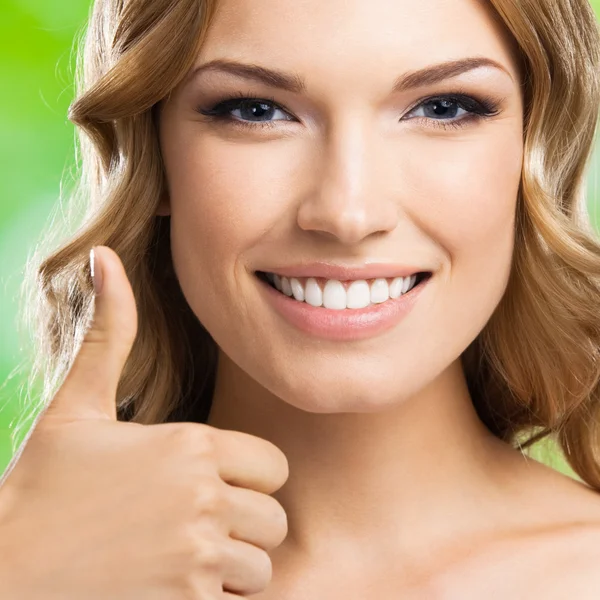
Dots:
pixel 353 231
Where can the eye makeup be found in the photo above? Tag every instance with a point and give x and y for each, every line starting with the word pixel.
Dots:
pixel 475 108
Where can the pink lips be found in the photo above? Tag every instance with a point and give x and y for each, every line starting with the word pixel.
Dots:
pixel 347 324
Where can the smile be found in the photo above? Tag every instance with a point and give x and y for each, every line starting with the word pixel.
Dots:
pixel 328 317
pixel 337 295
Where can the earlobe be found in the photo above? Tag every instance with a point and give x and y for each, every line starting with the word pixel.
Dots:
pixel 164 206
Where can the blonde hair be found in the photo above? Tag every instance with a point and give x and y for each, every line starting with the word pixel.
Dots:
pixel 535 366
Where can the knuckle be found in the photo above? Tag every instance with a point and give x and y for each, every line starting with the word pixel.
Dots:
pixel 201 550
pixel 209 554
pixel 193 438
pixel 197 587
pixel 211 499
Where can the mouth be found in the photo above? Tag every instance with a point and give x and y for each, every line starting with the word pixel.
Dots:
pixel 334 294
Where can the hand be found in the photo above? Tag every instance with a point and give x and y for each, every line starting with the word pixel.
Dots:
pixel 97 508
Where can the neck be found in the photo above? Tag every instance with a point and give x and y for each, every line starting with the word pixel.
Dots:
pixel 398 478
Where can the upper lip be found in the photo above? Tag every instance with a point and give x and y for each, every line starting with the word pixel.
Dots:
pixel 346 272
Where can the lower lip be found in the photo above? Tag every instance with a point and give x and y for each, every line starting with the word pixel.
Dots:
pixel 346 324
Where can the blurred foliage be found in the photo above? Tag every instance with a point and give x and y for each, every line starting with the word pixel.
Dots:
pixel 37 66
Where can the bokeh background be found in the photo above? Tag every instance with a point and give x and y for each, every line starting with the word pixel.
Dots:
pixel 37 161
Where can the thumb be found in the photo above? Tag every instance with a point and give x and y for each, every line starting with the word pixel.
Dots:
pixel 91 385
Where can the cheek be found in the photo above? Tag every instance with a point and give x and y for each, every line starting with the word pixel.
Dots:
pixel 470 213
pixel 225 197
pixel 471 200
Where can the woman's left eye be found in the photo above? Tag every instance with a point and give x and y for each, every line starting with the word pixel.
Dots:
pixel 445 111
pixel 438 112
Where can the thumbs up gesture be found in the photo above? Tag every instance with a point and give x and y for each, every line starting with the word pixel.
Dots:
pixel 96 508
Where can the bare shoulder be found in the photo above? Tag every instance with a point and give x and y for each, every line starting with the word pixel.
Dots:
pixel 574 543
pixel 553 553
pixel 572 538
pixel 578 561
pixel 559 561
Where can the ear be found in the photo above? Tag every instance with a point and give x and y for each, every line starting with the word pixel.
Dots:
pixel 164 206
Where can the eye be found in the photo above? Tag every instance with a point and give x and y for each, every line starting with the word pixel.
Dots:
pixel 442 111
pixel 253 113
pixel 445 111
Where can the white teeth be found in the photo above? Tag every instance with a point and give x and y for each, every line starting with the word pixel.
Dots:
pixel 358 294
pixel 286 288
pixel 396 287
pixel 335 296
pixel 380 291
pixel 297 289
pixel 312 292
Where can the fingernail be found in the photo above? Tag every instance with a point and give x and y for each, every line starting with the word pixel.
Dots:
pixel 96 270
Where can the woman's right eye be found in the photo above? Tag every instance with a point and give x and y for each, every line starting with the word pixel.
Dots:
pixel 249 108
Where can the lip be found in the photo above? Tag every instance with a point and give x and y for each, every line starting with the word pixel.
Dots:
pixel 342 325
pixel 346 272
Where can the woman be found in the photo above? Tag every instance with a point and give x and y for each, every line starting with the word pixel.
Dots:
pixel 355 238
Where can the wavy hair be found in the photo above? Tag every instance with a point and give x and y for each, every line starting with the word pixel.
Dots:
pixel 534 369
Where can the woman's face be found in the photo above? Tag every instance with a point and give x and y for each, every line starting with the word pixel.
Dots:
pixel 346 171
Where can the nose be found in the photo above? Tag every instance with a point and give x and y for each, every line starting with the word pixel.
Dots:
pixel 350 202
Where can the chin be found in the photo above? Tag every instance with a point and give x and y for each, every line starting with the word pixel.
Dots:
pixel 343 396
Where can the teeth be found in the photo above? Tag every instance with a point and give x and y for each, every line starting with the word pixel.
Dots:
pixel 297 289
pixel 286 288
pixel 358 295
pixel 380 291
pixel 334 294
pixel 312 293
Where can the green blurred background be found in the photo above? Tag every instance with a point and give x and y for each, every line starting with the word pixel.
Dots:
pixel 37 39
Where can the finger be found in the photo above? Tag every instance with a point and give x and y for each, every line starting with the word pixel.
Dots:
pixel 248 461
pixel 91 384
pixel 256 518
pixel 247 569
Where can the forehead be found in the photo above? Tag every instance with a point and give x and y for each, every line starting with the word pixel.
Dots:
pixel 301 34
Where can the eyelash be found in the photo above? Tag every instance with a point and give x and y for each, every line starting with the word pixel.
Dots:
pixel 478 109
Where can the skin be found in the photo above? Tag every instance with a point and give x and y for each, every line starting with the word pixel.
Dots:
pixel 391 471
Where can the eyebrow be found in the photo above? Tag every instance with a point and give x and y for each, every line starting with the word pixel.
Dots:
pixel 292 82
